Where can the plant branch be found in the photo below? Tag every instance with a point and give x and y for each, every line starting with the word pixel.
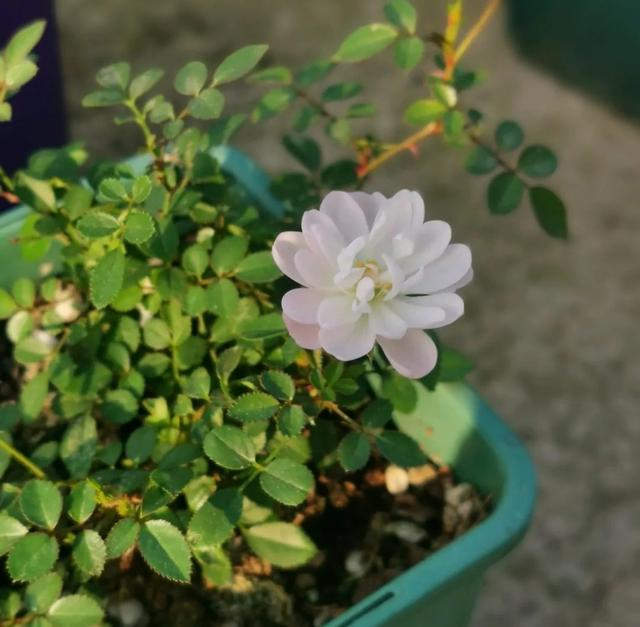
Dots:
pixel 21 459
pixel 476 29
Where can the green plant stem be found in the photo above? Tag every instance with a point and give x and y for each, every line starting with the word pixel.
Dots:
pixel 21 459
pixel 497 156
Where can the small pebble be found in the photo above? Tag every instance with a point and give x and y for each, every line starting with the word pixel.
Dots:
pixel 459 493
pixel 130 613
pixel 422 474
pixel 355 564
pixel 396 479
pixel 405 530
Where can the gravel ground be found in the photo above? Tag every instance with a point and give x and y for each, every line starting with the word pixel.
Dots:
pixel 552 326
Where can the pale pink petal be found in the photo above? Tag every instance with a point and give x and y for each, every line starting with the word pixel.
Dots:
pixel 413 356
pixel 415 314
pixel 445 271
pixel 336 311
pixel 304 335
pixel 450 304
pixel 431 240
pixel 284 250
pixel 385 322
pixel 313 269
pixel 302 304
pixel 465 280
pixel 369 203
pixel 394 275
pixel 407 210
pixel 348 341
pixel 322 235
pixel 346 215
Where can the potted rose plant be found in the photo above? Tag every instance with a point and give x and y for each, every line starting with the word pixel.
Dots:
pixel 223 401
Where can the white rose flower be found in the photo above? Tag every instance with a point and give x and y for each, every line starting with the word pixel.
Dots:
pixel 372 270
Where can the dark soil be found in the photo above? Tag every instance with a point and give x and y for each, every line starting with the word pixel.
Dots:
pixel 370 535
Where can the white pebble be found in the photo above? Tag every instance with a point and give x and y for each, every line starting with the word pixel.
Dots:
pixel 405 530
pixel 130 613
pixel 396 479
pixel 355 563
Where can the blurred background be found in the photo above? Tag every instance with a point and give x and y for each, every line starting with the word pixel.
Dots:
pixel 551 326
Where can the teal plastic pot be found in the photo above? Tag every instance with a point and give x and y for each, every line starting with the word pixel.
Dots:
pixel 454 426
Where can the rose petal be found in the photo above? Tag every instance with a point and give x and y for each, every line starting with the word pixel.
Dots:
pixel 431 241
pixel 413 356
pixel 348 341
pixel 346 215
pixel 313 269
pixel 465 280
pixel 370 204
pixel 284 250
pixel 407 209
pixel 415 314
pixel 304 335
pixel 335 311
pixel 450 304
pixel 385 322
pixel 322 235
pixel 302 304
pixel 445 271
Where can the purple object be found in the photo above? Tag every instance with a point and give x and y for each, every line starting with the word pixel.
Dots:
pixel 38 109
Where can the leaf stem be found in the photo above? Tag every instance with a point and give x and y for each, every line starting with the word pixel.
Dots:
pixel 476 29
pixel 21 459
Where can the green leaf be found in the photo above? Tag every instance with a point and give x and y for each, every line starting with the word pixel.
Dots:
pixel 11 530
pixel 340 174
pixel 408 52
pixel 141 189
pixel 7 305
pixel 313 72
pixel 254 406
pixel 537 161
pixel 141 443
pixel 279 384
pixel 222 297
pixel 207 105
pixel 30 350
pixel 258 268
pixel 191 78
pixel 157 334
pixel 230 448
pixel 361 110
pixel 75 610
pixel 275 75
pixel 89 552
pixel 239 63
pixel 228 253
pixel 281 544
pixel 291 420
pixel 23 42
pixel 139 227
pixel 122 536
pixel 402 14
pixel 453 365
pixel 165 550
pixel 106 278
pixel 550 211
pixel 228 361
pixel 453 128
pixel 509 135
pixel 142 83
pixel 504 193
pixel 24 292
pixel 103 98
pixel 262 328
pixel 35 193
pixel 112 190
pixel 33 396
pixel 19 74
pixel 198 384
pixel 96 224
pixel 354 451
pixel 480 161
pixel 32 556
pixel 401 392
pixel 305 150
pixel 195 259
pixel 78 446
pixel 221 131
pixel 377 413
pixel 114 76
pixel 400 449
pixel 41 593
pixel 286 481
pixel 41 503
pixel 341 91
pixel 365 42
pixel 120 406
pixel 82 501
pixel 422 112
pixel 272 103
pixel 6 112
pixel 215 520
pixel 215 564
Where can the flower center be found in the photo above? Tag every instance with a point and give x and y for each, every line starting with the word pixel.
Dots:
pixel 371 286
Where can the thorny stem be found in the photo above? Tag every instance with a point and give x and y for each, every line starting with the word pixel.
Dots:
pixel 21 459
pixel 476 29
pixel 433 128
pixel 335 409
